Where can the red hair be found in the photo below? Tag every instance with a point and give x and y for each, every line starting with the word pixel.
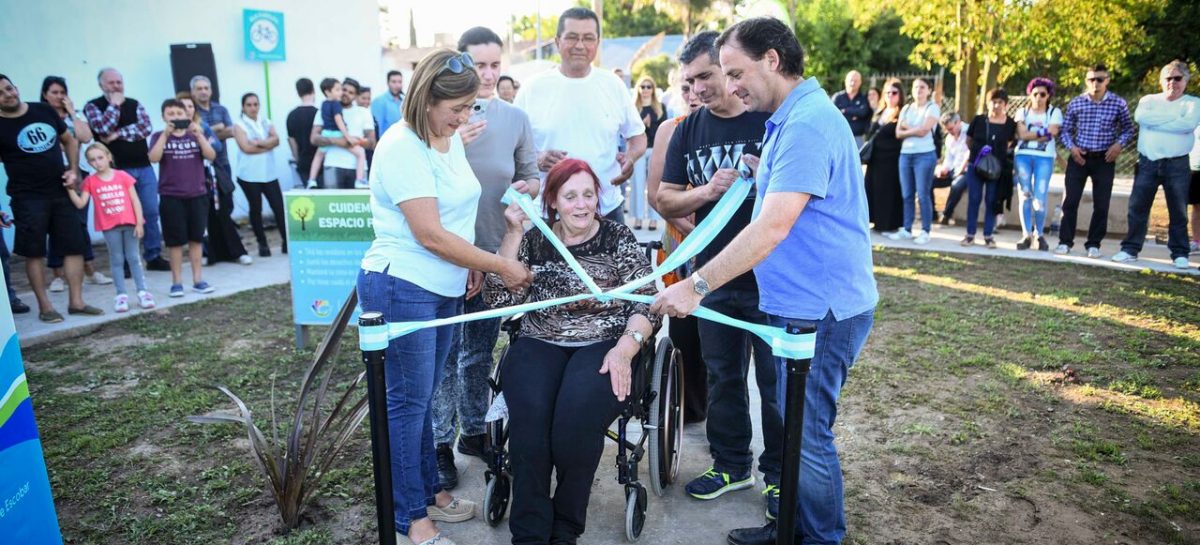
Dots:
pixel 558 176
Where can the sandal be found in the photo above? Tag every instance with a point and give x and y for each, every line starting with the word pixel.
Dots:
pixel 88 310
pixel 653 225
pixel 637 224
pixel 50 317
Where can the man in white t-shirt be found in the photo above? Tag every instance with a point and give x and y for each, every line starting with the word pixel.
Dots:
pixel 339 163
pixel 580 112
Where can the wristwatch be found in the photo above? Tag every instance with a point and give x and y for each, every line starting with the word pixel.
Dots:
pixel 637 335
pixel 700 285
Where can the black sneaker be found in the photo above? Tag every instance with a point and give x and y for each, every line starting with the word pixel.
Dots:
pixel 472 445
pixel 158 264
pixel 1043 246
pixel 772 494
pixel 764 535
pixel 264 251
pixel 1025 243
pixel 447 473
pixel 18 307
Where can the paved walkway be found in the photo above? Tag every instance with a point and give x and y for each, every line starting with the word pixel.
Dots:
pixel 231 278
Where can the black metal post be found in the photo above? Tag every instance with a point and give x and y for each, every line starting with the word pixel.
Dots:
pixel 373 339
pixel 793 434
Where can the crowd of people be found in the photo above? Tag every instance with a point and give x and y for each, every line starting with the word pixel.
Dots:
pixel 910 147
pixel 445 245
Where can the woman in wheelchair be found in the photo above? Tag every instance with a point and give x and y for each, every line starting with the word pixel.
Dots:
pixel 569 372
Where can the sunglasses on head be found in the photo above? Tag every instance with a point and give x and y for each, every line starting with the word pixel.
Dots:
pixel 1174 79
pixel 459 63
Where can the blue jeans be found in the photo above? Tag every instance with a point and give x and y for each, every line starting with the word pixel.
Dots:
pixel 1175 176
pixel 726 352
pixel 820 513
pixel 980 191
pixel 411 370
pixel 147 191
pixel 1033 177
pixel 122 248
pixel 461 398
pixel 916 178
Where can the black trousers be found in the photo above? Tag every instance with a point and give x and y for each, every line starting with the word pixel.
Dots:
pixel 255 191
pixel 559 407
pixel 224 243
pixel 1101 172
pixel 685 335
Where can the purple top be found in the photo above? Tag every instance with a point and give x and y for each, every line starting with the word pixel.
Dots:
pixel 181 170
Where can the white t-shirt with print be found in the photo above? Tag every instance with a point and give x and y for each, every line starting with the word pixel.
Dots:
pixel 1033 120
pixel 914 116
pixel 405 169
pixel 358 121
pixel 585 117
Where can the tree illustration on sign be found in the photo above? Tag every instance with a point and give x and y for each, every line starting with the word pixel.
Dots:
pixel 302 209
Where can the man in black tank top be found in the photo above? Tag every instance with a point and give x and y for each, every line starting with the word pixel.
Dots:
pixel 123 125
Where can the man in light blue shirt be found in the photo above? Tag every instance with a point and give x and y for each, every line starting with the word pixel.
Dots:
pixel 386 109
pixel 809 246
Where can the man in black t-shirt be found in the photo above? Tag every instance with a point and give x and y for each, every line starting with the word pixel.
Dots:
pixel 705 153
pixel 299 126
pixel 32 140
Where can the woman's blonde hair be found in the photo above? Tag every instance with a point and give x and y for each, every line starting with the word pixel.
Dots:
pixel 187 95
pixel 655 103
pixel 432 83
pixel 98 145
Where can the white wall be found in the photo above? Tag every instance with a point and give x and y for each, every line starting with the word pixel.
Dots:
pixel 76 38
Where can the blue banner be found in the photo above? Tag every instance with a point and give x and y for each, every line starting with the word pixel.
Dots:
pixel 26 507
pixel 263 31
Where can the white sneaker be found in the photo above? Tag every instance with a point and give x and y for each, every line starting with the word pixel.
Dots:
pixel 121 303
pixel 98 278
pixel 922 238
pixel 900 234
pixel 145 300
pixel 1121 256
pixel 57 285
pixel 312 184
pixel 245 259
pixel 1062 249
pixel 1094 253
pixel 1181 262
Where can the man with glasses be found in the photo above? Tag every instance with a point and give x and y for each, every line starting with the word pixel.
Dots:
pixel 1168 123
pixel 1096 128
pixel 580 112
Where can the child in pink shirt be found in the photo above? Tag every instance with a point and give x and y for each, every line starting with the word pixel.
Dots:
pixel 118 214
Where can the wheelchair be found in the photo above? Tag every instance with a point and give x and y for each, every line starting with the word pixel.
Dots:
pixel 656 401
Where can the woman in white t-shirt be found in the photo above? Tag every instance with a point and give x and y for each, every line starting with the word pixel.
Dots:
pixel 918 158
pixel 1037 128
pixel 424 197
pixel 256 175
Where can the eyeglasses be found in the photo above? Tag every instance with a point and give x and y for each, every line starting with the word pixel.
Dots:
pixel 647 86
pixel 1174 79
pixel 587 39
pixel 1098 79
pixel 459 63
pixel 1041 94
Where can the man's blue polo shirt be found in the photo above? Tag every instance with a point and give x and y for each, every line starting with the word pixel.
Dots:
pixel 387 111
pixel 824 264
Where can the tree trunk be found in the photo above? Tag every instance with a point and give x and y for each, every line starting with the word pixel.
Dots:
pixel 991 72
pixel 966 87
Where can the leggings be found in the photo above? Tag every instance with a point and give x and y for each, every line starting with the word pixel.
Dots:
pixel 122 248
pixel 255 191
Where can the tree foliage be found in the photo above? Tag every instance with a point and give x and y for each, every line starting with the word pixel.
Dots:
pixel 838 37
pixel 1020 35
pixel 637 18
pixel 657 67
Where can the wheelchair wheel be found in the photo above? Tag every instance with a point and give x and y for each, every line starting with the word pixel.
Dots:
pixel 495 499
pixel 666 415
pixel 635 511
